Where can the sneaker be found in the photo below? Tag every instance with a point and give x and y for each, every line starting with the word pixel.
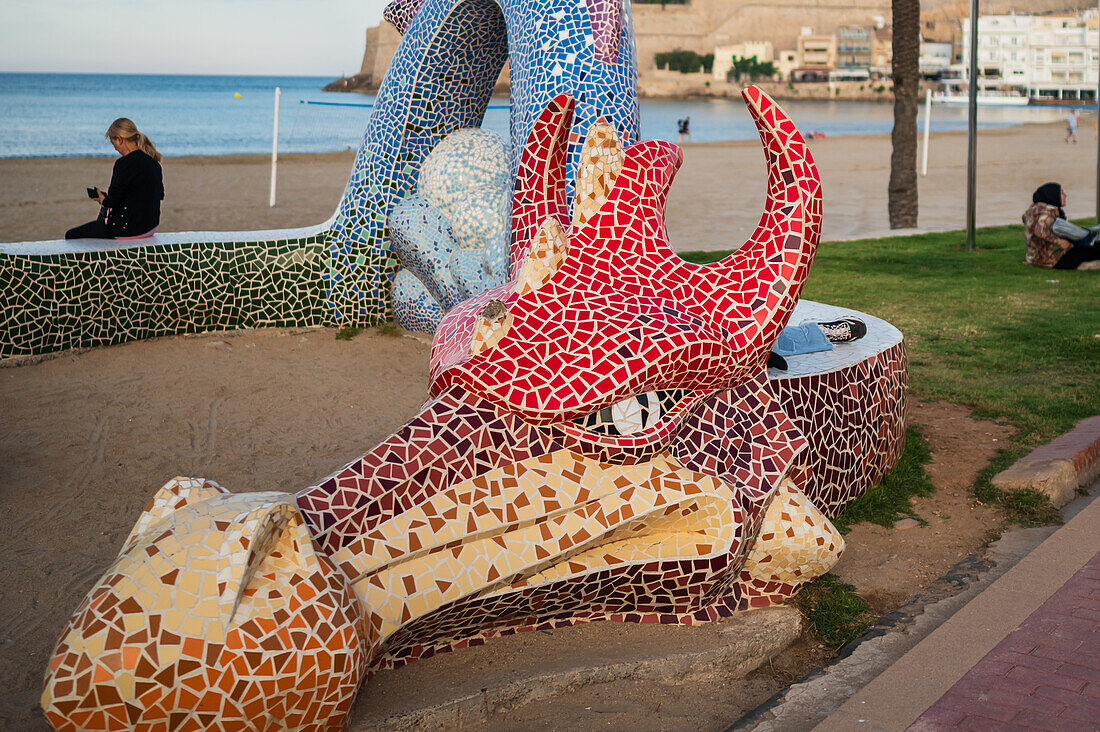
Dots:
pixel 845 330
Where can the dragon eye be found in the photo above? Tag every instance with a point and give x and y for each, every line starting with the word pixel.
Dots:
pixel 632 415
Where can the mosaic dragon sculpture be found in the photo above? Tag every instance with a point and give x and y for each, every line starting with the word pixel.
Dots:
pixel 601 442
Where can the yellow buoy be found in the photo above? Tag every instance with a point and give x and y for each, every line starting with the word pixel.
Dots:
pixel 236 95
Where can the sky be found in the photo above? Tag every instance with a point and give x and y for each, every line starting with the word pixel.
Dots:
pixel 277 37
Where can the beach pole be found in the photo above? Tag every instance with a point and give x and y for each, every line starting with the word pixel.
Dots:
pixel 1098 139
pixel 275 146
pixel 972 131
pixel 927 128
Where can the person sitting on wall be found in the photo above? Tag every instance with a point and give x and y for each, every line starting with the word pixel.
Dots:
pixel 1051 240
pixel 130 209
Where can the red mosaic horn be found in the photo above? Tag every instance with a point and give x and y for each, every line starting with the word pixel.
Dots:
pixel 779 253
pixel 540 179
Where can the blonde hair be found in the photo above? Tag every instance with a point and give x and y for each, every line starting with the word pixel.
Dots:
pixel 126 129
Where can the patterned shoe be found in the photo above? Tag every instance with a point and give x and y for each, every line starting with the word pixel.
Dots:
pixel 845 330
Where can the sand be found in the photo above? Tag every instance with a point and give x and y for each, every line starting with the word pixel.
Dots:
pixel 87 437
pixel 714 203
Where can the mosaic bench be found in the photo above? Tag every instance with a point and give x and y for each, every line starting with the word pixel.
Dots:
pixel 57 295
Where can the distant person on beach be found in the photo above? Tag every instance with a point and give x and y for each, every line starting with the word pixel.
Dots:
pixel 130 209
pixel 1071 126
pixel 685 129
pixel 1051 240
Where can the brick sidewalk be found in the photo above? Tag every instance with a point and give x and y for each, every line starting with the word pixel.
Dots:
pixel 1045 675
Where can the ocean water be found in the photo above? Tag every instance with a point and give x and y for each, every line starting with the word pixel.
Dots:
pixel 53 115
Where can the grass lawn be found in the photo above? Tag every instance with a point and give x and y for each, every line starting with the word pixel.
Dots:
pixel 982 329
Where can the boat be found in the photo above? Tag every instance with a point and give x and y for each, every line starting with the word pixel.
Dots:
pixel 985 98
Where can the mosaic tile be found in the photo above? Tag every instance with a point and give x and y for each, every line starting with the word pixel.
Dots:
pixel 453 235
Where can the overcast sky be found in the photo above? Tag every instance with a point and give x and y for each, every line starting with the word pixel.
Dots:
pixel 282 37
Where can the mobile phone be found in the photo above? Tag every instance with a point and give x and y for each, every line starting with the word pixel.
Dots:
pixel 93 193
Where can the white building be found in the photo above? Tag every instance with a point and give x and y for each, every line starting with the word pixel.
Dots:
pixel 935 57
pixel 1002 51
pixel 1063 58
pixel 1045 57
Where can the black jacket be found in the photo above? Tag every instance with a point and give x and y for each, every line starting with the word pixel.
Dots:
pixel 133 199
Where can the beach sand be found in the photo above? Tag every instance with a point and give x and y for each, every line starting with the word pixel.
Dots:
pixel 714 203
pixel 87 437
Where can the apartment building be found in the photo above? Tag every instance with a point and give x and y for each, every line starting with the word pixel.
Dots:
pixel 1002 51
pixel 817 55
pixel 1063 58
pixel 853 47
pixel 1043 57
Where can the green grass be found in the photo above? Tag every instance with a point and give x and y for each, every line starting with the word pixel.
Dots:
pixel 892 498
pixel 982 329
pixel 1025 507
pixel 348 332
pixel 838 615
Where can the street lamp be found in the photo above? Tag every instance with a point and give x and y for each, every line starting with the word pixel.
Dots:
pixel 972 131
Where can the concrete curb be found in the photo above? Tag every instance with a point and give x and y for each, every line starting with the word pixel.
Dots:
pixel 1059 468
pixel 533 667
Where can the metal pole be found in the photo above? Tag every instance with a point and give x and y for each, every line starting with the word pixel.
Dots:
pixel 972 131
pixel 1097 132
pixel 927 128
pixel 275 146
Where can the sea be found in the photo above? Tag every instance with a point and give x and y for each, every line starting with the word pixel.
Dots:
pixel 65 115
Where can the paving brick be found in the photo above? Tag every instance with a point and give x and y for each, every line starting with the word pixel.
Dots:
pixel 982 724
pixel 1002 699
pixel 1037 678
pixel 1061 695
pixel 1087 657
pixel 1087 613
pixel 1038 663
pixel 973 685
pixel 1092 690
pixel 1021 643
pixel 1061 626
pixel 1045 722
pixel 1079 672
pixel 1057 648
pixel 1088 715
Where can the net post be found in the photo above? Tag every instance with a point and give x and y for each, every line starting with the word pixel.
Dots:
pixel 927 129
pixel 275 147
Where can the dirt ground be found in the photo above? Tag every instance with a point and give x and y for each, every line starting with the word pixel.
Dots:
pixel 88 436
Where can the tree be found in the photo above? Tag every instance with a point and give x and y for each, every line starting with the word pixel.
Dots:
pixel 906 70
pixel 749 68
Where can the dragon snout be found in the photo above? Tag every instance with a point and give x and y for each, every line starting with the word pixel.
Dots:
pixel 222 613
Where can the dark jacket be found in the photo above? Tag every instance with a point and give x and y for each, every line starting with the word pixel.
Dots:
pixel 133 199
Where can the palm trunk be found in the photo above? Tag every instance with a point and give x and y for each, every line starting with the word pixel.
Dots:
pixel 906 70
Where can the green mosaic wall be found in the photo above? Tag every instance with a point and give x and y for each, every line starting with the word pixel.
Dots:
pixel 52 302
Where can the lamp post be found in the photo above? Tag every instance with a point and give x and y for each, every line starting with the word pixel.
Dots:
pixel 1097 100
pixel 972 130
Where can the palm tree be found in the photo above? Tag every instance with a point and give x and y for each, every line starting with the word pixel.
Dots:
pixel 906 70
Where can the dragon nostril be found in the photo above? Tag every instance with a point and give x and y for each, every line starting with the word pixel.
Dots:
pixel 494 311
pixel 491 326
